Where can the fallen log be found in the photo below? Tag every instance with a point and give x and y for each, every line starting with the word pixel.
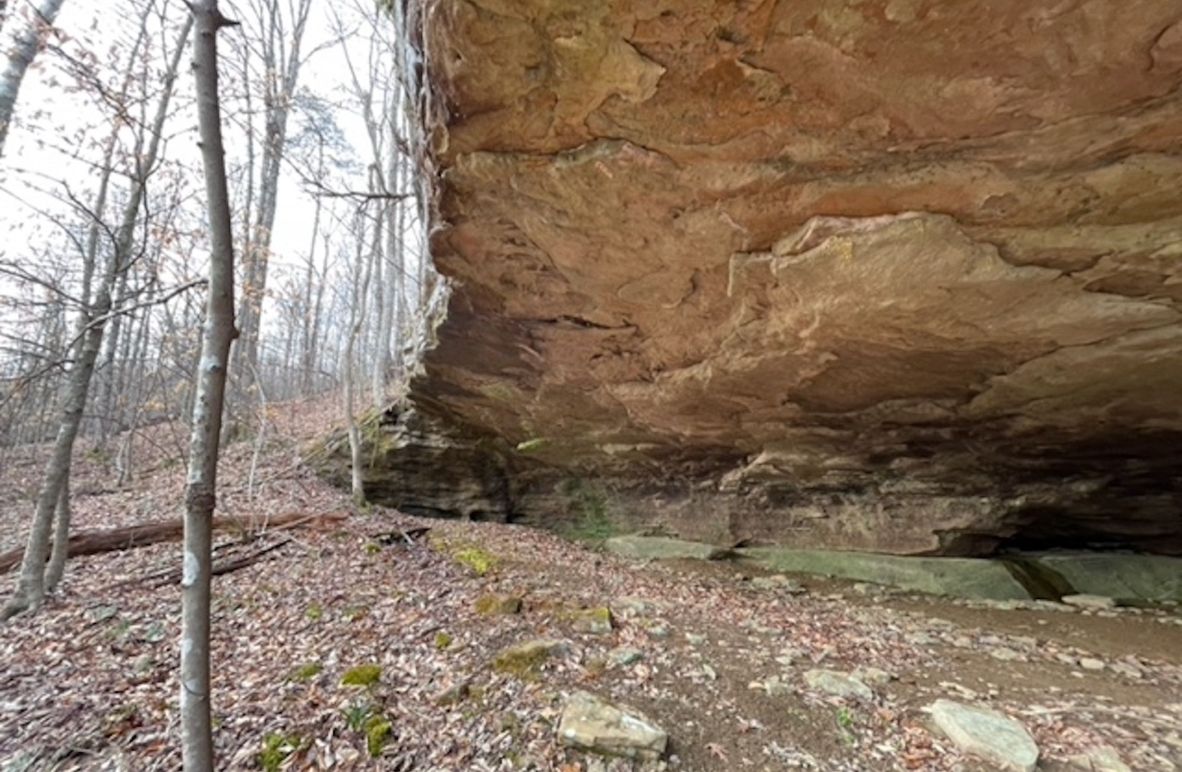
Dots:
pixel 97 541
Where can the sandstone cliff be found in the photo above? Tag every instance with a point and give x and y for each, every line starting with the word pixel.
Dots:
pixel 891 274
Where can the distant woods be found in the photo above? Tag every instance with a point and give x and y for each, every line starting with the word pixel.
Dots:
pixel 106 240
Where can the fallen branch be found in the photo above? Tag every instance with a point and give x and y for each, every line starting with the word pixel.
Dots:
pixel 146 534
pixel 173 576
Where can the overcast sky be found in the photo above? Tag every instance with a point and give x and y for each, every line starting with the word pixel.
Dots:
pixel 52 120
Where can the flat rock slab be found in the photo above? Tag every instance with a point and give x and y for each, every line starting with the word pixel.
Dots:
pixel 591 724
pixel 958 577
pixel 838 684
pixel 986 734
pixel 636 547
pixel 1125 576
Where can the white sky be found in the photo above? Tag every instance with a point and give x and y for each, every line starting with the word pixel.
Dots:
pixel 52 120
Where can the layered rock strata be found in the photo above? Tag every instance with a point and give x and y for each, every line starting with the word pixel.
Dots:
pixel 896 275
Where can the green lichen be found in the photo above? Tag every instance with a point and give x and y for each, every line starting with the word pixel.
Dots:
pixel 442 641
pixel 377 734
pixel 372 548
pixel 314 612
pixel 362 675
pixel 307 672
pixel 277 747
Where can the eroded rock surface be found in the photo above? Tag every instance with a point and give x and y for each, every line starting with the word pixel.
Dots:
pixel 897 274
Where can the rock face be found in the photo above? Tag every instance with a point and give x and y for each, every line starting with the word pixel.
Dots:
pixel 895 275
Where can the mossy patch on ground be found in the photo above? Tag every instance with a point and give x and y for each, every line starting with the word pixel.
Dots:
pixel 307 672
pixel 377 734
pixel 442 641
pixel 362 675
pixel 277 746
pixel 596 620
pixel 475 558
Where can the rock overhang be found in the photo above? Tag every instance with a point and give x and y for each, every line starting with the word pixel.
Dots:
pixel 895 275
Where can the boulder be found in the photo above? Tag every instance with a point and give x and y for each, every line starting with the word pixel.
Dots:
pixel 986 734
pixel 959 577
pixel 1120 575
pixel 637 547
pixel 589 723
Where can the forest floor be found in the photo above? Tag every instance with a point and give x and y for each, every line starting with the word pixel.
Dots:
pixel 89 682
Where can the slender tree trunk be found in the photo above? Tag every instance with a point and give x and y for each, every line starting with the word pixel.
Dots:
pixel 61 538
pixel 25 43
pixel 361 277
pixel 200 495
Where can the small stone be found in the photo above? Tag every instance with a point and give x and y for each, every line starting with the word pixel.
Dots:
pixel 453 695
pixel 695 639
pixel 1007 655
pixel 873 676
pixel 774 686
pixel 593 620
pixel 525 660
pixel 1084 600
pixel 986 734
pixel 591 724
pixel 920 639
pixel 1067 659
pixel 624 656
pixel 1101 759
pixel 659 631
pixel 493 604
pixel 778 582
pixel 1126 669
pixel 838 684
pixel 1091 663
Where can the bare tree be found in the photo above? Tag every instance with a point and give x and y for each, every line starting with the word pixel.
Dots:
pixel 278 36
pixel 201 494
pixel 26 42
pixel 31 585
pixel 362 270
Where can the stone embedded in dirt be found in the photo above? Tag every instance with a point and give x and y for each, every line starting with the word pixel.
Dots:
pixel 453 695
pixel 1127 669
pixel 1101 759
pixel 1084 600
pixel 525 660
pixel 637 547
pixel 695 639
pixel 873 676
pixel 493 604
pixel 778 582
pixel 591 724
pixel 986 734
pixel 838 684
pixel 624 656
pixel 1091 663
pixel 597 621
